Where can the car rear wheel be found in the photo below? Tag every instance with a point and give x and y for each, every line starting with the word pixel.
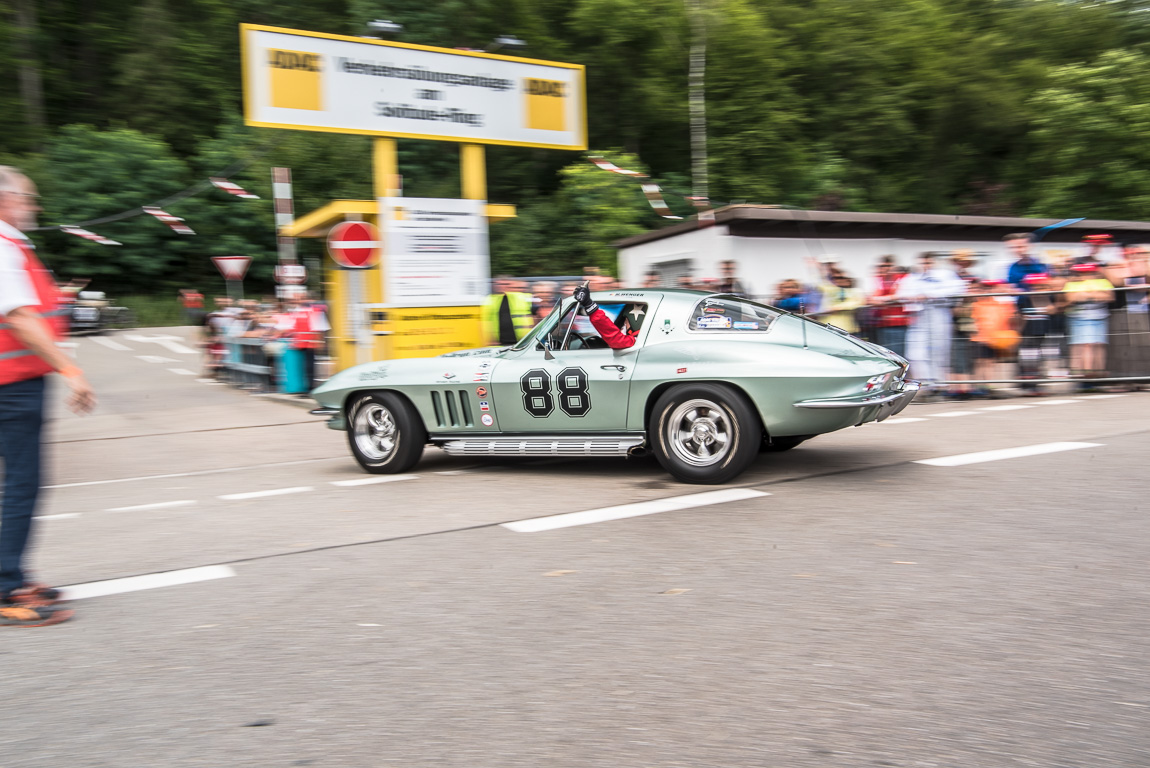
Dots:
pixel 385 432
pixel 704 433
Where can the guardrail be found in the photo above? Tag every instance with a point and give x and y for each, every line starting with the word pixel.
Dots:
pixel 1057 344
pixel 248 366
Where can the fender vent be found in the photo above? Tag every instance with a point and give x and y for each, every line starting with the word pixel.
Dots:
pixel 452 409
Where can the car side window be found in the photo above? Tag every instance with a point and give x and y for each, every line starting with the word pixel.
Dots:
pixel 725 313
pixel 583 335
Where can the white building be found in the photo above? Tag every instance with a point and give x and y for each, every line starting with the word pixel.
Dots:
pixel 772 244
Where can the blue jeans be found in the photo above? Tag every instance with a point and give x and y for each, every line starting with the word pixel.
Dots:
pixel 21 420
pixel 893 337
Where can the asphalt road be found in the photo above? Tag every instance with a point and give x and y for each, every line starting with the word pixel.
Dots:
pixel 853 608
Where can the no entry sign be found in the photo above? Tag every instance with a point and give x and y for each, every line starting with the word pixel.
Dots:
pixel 353 244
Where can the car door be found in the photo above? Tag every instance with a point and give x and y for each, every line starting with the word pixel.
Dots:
pixel 567 390
pixel 583 390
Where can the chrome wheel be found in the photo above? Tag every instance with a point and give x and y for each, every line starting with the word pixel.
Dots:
pixel 699 433
pixel 376 434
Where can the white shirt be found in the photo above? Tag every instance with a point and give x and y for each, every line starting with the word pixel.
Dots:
pixel 16 288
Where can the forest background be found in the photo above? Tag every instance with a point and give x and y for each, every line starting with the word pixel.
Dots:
pixel 996 107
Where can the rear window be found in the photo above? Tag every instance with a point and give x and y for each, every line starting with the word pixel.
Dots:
pixel 716 313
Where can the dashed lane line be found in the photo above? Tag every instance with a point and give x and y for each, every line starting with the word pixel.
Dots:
pixel 904 420
pixel 373 480
pixel 1055 402
pixel 534 525
pixel 261 494
pixel 147 581
pixel 156 505
pixel 156 359
pixel 979 457
pixel 62 516
pixel 182 371
pixel 110 344
pixel 196 473
pixel 953 414
pixel 1006 407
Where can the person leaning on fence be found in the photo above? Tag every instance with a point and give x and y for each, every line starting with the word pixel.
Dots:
pixel 1024 264
pixel 996 324
pixel 30 327
pixel 928 295
pixel 1040 309
pixel 1088 296
pixel 840 302
pixel 888 316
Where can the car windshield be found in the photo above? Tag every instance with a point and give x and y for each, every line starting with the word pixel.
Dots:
pixel 729 313
pixel 546 322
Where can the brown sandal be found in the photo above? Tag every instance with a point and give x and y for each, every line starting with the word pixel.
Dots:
pixel 25 616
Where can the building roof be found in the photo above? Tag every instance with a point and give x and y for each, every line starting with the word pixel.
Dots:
pixel 767 221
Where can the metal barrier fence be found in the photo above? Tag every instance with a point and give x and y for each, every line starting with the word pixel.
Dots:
pixel 247 365
pixel 1030 340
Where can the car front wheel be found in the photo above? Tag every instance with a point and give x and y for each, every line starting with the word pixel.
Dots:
pixel 704 433
pixel 385 432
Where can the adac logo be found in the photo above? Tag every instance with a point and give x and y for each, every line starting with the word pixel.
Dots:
pixel 546 104
pixel 295 79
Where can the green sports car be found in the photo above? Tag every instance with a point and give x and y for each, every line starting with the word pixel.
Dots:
pixel 710 382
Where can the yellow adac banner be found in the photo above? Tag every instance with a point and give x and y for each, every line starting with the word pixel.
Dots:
pixel 426 331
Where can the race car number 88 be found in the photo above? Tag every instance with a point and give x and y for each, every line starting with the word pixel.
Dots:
pixel 571 386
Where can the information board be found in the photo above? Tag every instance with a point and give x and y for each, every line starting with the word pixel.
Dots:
pixel 318 82
pixel 436 251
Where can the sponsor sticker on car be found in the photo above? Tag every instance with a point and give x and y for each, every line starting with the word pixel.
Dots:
pixel 713 321
pixel 746 326
pixel 481 391
pixel 487 420
pixel 484 405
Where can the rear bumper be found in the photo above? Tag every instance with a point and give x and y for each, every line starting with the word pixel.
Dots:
pixel 877 407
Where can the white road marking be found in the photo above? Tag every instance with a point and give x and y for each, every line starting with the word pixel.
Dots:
pixel 196 473
pixel 156 359
pixel 211 381
pixel 170 343
pixel 952 414
pixel 372 480
pixel 1053 402
pixel 64 516
pixel 157 505
pixel 182 371
pixel 1006 407
pixel 110 344
pixel 1004 453
pixel 633 510
pixel 903 420
pixel 1099 397
pixel 148 581
pixel 261 494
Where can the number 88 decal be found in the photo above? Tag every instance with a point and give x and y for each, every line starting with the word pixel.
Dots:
pixel 571 384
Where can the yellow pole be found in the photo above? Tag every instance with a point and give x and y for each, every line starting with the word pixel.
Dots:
pixel 473 171
pixel 385 183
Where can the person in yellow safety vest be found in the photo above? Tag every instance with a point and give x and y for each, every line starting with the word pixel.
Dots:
pixel 506 314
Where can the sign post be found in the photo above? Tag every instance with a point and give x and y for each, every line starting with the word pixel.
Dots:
pixel 354 245
pixel 233 268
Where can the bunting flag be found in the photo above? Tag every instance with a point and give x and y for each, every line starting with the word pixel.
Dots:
pixel 233 189
pixel 89 235
pixel 653 193
pixel 175 222
pixel 655 198
pixel 609 166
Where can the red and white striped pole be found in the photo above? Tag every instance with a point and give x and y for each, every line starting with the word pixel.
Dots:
pixel 284 214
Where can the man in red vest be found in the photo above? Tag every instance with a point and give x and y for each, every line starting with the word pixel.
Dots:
pixel 30 324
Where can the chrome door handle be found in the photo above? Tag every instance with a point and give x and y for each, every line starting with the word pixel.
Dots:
pixel 619 368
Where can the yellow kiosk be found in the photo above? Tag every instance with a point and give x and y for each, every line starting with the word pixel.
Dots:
pixel 422 296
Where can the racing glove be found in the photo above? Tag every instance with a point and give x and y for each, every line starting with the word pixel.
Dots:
pixel 582 295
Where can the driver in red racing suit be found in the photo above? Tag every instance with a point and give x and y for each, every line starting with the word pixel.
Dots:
pixel 615 338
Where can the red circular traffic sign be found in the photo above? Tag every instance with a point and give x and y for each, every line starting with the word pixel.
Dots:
pixel 354 244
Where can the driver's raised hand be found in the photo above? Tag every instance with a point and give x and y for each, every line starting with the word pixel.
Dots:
pixel 582 294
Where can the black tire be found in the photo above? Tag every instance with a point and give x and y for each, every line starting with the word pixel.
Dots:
pixel 711 412
pixel 385 432
pixel 779 444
